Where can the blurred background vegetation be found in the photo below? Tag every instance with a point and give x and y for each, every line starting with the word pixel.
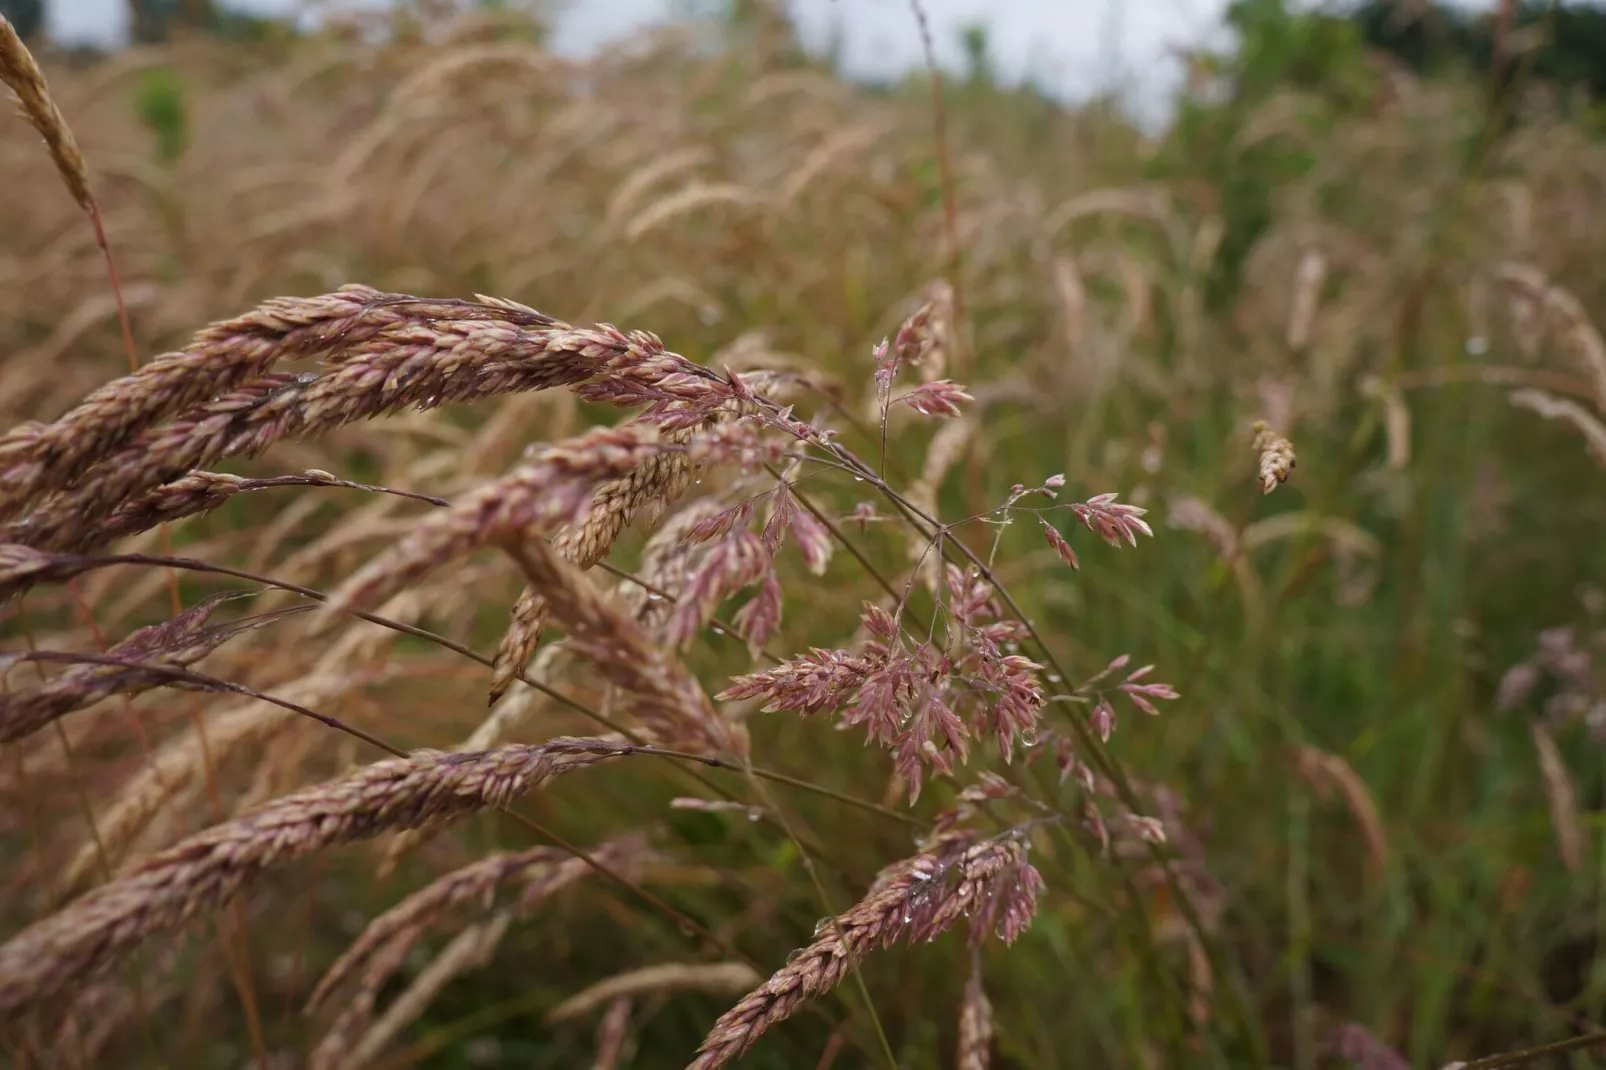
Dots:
pixel 1382 228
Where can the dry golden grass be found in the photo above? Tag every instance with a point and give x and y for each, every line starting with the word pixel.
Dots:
pixel 673 549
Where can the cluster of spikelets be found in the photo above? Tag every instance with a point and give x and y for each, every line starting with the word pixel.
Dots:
pixel 722 478
pixel 131 456
pixel 936 670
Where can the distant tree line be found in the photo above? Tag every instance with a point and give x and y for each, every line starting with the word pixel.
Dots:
pixel 28 16
pixel 1561 43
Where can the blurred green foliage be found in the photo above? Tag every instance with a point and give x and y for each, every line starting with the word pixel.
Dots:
pixel 159 101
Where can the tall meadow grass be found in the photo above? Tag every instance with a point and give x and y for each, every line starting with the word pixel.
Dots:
pixel 679 559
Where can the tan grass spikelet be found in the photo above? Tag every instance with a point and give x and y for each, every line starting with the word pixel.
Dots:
pixel 668 557
pixel 176 770
pixel 1276 456
pixel 644 491
pixel 178 767
pixel 666 560
pixel 544 868
pixel 1073 301
pixel 508 713
pixel 542 872
pixel 1148 205
pixel 677 289
pixel 722 978
pixel 200 492
pixel 1581 336
pixel 1525 287
pixel 613 1036
pixel 656 688
pixel 364 525
pixel 432 79
pixel 1552 407
pixel 22 76
pixel 1194 514
pixel 472 948
pixel 1309 278
pixel 204 871
pixel 398 352
pixel 514 707
pixel 911 900
pixel 947 446
pixel 511 513
pixel 1323 771
pixel 173 644
pixel 104 1011
pixel 1139 287
pixel 1562 798
pixel 773 85
pixel 626 198
pixel 692 198
pixel 35 458
pixel 1538 303
pixel 833 149
pixel 1345 534
pixel 93 310
pixel 523 504
pixel 1396 419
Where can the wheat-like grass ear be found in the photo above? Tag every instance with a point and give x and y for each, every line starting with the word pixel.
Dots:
pixel 21 73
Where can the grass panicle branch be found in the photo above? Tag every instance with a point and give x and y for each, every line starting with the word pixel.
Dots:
pixel 133 665
pixel 380 352
pixel 915 900
pixel 100 929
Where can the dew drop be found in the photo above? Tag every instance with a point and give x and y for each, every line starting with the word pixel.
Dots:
pixel 1053 677
pixel 718 630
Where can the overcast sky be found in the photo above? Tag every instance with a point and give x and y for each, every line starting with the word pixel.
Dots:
pixel 1075 46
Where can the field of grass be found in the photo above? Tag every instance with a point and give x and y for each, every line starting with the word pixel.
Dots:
pixel 1366 831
